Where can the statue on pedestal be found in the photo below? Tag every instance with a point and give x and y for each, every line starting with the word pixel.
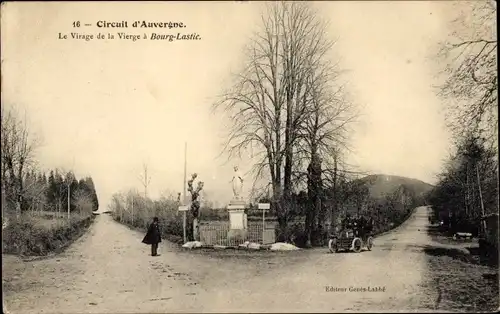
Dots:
pixel 237 219
pixel 237 183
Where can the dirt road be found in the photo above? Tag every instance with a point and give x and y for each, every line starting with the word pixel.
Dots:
pixel 109 270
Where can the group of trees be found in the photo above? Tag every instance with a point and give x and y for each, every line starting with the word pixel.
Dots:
pixel 83 196
pixel 23 187
pixel 289 107
pixel 50 193
pixel 470 89
pixel 468 186
pixel 137 210
pixel 351 196
pixel 18 147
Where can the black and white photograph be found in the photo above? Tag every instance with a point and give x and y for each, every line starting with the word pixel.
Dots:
pixel 249 156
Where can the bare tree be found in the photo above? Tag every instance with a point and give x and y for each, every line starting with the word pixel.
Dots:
pixel 169 195
pixel 18 150
pixel 35 193
pixel 323 138
pixel 83 202
pixel 145 179
pixel 131 199
pixel 471 68
pixel 195 206
pixel 269 100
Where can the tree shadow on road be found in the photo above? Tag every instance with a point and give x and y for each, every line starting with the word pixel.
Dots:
pixel 468 254
pixel 451 252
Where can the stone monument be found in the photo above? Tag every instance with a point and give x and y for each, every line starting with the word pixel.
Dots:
pixel 236 208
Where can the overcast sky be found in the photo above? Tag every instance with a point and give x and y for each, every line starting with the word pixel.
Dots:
pixel 105 107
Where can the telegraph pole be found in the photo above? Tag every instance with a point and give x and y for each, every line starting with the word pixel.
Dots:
pixel 69 193
pixel 70 180
pixel 184 199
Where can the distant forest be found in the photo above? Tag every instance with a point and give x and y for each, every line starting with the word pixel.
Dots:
pixel 50 193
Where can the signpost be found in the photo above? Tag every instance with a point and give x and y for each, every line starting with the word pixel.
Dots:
pixel 263 207
pixel 184 209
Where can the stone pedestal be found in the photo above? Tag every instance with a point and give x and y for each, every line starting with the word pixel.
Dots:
pixel 237 220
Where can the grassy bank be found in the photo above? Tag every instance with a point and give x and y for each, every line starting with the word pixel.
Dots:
pixel 462 283
pixel 40 236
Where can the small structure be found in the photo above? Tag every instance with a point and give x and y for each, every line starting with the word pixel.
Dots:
pixel 488 242
pixel 238 229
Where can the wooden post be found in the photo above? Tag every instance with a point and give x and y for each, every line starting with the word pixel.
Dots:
pixel 184 192
pixel 69 193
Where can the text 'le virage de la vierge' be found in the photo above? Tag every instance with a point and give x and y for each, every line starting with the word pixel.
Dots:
pixel 122 35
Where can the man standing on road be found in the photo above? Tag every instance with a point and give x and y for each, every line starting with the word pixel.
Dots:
pixel 153 236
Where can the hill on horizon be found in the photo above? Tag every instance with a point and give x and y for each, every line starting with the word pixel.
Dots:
pixel 380 185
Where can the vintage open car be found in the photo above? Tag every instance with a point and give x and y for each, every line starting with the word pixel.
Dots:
pixel 352 237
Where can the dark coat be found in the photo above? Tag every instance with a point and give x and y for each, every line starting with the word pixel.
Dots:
pixel 346 223
pixel 153 236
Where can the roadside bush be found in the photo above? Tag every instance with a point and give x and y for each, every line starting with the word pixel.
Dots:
pixel 207 213
pixel 388 213
pixel 28 236
pixel 293 233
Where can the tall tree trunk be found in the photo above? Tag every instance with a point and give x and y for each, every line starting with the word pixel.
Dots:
pixel 308 224
pixel 279 205
pixel 467 197
pixel 314 190
pixel 334 210
pixel 481 199
pixel 287 179
pixel 277 187
pixel 196 235
pixel 20 190
pixel 189 226
pixel 310 206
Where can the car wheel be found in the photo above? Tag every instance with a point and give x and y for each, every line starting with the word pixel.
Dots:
pixel 369 243
pixel 332 245
pixel 357 245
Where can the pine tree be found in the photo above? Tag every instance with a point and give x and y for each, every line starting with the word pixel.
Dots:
pixel 90 185
pixel 51 190
pixel 59 191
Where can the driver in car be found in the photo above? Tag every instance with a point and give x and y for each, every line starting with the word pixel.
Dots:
pixel 347 223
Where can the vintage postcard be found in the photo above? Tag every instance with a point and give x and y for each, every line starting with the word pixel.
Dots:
pixel 249 156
